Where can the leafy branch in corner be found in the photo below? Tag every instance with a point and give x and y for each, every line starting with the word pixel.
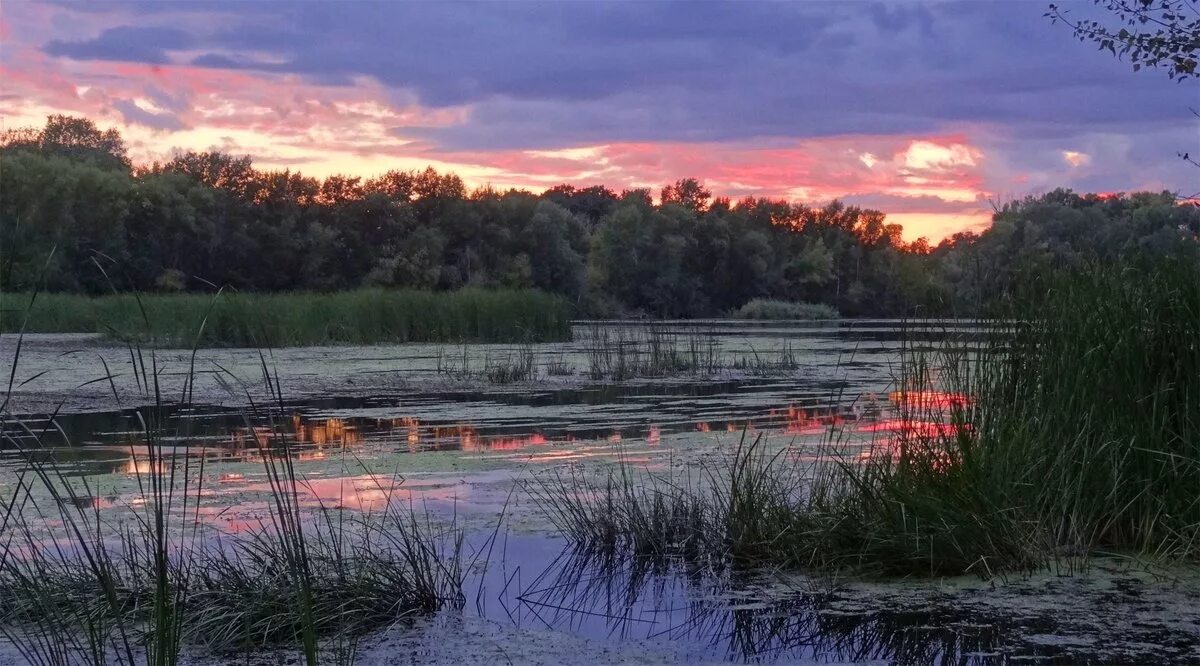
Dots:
pixel 1150 33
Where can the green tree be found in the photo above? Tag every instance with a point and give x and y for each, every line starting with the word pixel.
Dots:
pixel 77 139
pixel 1150 33
pixel 554 240
pixel 688 193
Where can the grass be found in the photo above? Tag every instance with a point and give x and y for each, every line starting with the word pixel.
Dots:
pixel 79 584
pixel 766 308
pixel 1073 430
pixel 619 354
pixel 782 362
pixel 365 316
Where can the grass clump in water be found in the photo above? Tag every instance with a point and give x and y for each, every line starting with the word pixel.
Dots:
pixel 365 316
pixel 619 354
pixel 1073 430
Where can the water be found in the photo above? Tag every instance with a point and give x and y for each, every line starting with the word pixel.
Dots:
pixel 386 400
pixel 369 426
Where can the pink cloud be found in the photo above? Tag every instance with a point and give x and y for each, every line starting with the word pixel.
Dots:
pixel 934 182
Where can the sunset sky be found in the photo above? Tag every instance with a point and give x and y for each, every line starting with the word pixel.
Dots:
pixel 923 110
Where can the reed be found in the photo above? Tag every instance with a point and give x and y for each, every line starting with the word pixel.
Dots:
pixel 366 316
pixel 78 585
pixel 1074 429
pixel 619 354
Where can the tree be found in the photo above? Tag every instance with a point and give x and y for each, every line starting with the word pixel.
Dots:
pixel 555 263
pixel 1153 33
pixel 74 138
pixel 76 207
pixel 218 170
pixel 688 193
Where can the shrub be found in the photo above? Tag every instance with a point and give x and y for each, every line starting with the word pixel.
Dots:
pixel 766 308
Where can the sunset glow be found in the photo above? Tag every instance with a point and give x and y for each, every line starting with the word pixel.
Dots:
pixel 357 102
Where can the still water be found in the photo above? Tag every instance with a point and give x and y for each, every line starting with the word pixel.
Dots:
pixel 369 426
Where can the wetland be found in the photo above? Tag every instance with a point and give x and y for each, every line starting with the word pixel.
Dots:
pixel 423 439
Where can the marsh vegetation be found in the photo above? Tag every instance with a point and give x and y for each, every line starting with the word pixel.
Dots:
pixel 1071 432
pixel 229 319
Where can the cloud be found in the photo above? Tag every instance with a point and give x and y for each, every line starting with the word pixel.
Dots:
pixel 125 43
pixel 713 71
pixel 137 112
pixel 925 108
pixel 1076 159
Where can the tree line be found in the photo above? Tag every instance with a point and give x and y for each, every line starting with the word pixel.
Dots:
pixel 204 220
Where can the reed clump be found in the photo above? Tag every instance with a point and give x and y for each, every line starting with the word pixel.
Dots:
pixel 82 584
pixel 618 354
pixel 365 316
pixel 1074 429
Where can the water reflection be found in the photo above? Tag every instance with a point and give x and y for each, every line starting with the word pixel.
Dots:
pixel 747 617
pixel 476 424
pixel 106 442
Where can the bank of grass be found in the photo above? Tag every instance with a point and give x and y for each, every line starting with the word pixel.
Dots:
pixel 1079 434
pixel 365 316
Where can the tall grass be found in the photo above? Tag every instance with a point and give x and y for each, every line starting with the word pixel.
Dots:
pixel 620 354
pixel 78 585
pixel 1074 429
pixel 364 316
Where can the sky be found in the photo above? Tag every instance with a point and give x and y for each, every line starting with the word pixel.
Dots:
pixel 927 111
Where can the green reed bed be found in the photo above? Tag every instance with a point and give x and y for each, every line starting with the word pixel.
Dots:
pixel 365 316
pixel 1079 434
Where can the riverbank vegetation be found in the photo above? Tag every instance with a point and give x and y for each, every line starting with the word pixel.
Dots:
pixel 363 316
pixel 1074 432
pixel 766 308
pixel 206 220
pixel 84 580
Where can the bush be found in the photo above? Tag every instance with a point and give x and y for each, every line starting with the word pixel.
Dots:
pixel 766 308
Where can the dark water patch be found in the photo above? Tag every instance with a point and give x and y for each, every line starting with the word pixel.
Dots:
pixel 702 615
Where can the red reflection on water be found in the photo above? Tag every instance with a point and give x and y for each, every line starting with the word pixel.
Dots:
pixel 797 421
pixel 504 443
pixel 929 399
pixel 321 433
pixel 910 427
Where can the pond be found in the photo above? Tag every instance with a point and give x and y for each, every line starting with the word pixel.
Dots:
pixel 456 429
